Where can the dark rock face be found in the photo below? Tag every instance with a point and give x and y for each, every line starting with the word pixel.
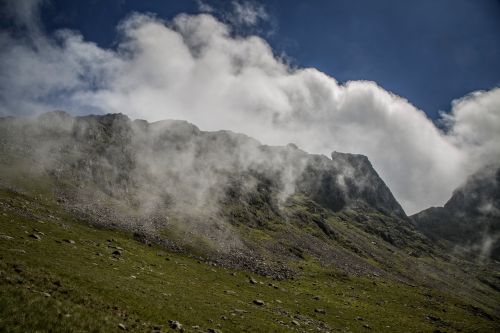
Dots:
pixel 348 181
pixel 479 196
pixel 471 218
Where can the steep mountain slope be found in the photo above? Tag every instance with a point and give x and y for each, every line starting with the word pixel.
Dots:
pixel 470 220
pixel 224 200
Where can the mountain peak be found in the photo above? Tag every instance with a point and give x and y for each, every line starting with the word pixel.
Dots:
pixel 471 217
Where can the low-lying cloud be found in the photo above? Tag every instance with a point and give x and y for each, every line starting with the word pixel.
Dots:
pixel 195 68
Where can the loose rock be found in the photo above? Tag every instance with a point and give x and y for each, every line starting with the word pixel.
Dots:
pixel 175 325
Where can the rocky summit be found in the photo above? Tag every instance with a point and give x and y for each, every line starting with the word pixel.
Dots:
pixel 470 221
pixel 113 224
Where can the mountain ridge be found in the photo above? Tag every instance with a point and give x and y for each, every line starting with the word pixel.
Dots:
pixel 470 219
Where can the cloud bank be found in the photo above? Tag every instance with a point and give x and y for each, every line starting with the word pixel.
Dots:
pixel 195 68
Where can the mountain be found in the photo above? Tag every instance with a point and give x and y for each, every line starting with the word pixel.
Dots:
pixel 169 177
pixel 470 220
pixel 126 212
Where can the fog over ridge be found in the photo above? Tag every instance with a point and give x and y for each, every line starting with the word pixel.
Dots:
pixel 195 68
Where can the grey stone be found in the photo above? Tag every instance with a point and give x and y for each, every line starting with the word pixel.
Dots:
pixel 175 325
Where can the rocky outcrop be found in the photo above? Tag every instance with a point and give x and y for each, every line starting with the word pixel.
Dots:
pixel 348 181
pixel 471 218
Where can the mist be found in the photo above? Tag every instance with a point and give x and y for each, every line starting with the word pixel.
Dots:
pixel 196 68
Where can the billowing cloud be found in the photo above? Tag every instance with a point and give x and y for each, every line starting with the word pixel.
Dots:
pixel 475 126
pixel 194 68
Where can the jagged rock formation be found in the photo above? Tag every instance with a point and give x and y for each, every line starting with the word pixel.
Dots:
pixel 176 162
pixel 471 218
pixel 347 180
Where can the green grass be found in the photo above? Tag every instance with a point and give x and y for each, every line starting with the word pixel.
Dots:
pixel 52 285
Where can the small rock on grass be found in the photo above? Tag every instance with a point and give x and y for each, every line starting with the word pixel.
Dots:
pixel 258 302
pixel 35 236
pixel 296 323
pixel 174 324
pixel 122 327
pixel 70 241
pixel 18 250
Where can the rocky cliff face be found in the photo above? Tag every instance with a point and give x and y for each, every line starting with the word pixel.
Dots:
pixel 471 218
pixel 173 162
pixel 347 181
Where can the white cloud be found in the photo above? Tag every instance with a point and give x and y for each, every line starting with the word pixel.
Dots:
pixel 204 7
pixel 475 126
pixel 247 13
pixel 194 69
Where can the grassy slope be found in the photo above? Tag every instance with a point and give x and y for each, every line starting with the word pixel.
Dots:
pixel 92 290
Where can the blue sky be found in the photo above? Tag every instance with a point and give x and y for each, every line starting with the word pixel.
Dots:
pixel 427 51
